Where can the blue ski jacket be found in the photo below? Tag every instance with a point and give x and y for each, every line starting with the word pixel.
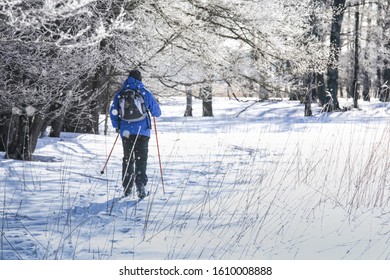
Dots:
pixel 142 127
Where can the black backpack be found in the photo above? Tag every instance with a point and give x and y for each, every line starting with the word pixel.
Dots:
pixel 132 105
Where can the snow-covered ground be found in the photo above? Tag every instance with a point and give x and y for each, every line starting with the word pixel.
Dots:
pixel 268 184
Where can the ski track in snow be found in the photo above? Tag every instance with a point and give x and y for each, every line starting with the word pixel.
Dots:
pixel 269 184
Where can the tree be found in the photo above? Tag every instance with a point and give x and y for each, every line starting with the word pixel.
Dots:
pixel 355 93
pixel 335 48
pixel 318 31
pixel 188 111
pixel 384 50
pixel 239 43
pixel 42 43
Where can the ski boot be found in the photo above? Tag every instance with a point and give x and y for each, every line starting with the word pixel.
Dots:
pixel 141 191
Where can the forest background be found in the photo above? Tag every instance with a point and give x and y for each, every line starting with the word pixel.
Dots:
pixel 62 61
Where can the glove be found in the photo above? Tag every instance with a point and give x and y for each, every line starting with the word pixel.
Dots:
pixel 117 130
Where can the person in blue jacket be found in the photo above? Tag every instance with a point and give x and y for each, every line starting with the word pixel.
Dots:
pixel 135 135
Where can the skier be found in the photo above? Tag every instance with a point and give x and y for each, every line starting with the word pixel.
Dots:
pixel 135 133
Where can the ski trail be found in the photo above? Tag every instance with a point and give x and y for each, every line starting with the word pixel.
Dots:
pixel 103 227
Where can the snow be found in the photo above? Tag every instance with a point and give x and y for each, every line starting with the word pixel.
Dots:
pixel 266 184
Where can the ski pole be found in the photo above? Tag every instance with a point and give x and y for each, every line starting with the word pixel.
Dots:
pixel 116 139
pixel 159 157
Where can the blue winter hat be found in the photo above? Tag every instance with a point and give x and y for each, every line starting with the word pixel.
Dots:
pixel 135 74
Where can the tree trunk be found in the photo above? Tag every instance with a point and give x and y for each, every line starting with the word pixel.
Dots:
pixel 335 46
pixel 385 91
pixel 4 129
pixel 355 93
pixel 378 90
pixel 207 100
pixel 188 112
pixel 106 105
pixel 308 97
pixel 320 88
pixel 366 86
pixel 367 16
pixel 56 126
pixel 22 134
pixel 16 147
pixel 55 118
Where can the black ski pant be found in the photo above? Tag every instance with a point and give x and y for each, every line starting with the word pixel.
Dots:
pixel 135 157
